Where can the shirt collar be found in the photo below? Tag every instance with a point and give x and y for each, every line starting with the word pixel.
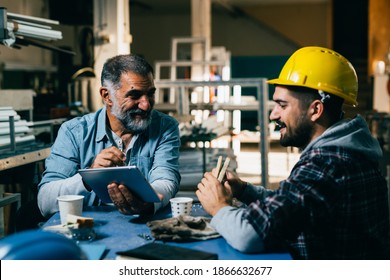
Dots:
pixel 101 128
pixel 118 141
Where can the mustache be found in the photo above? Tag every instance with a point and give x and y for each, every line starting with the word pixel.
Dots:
pixel 138 111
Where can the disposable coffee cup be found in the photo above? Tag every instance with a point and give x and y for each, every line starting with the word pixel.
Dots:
pixel 70 204
pixel 181 206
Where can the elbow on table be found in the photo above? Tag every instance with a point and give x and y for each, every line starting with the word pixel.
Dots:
pixel 248 245
pixel 43 207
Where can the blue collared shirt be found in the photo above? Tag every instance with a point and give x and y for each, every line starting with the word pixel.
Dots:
pixel 155 152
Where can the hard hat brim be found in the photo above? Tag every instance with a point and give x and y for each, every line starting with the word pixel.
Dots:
pixel 281 82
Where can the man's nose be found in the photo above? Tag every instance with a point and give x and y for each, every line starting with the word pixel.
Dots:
pixel 144 102
pixel 274 114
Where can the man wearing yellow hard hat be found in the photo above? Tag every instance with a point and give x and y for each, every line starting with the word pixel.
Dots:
pixel 334 204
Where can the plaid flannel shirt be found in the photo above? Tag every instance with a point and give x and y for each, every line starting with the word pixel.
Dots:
pixel 334 205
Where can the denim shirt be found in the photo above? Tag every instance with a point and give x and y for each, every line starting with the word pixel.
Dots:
pixel 155 152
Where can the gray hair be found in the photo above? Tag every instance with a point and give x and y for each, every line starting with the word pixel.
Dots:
pixel 114 67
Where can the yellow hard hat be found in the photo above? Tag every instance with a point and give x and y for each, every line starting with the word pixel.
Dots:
pixel 322 69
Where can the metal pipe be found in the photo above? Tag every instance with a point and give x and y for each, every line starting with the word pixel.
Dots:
pixel 12 133
pixel 262 93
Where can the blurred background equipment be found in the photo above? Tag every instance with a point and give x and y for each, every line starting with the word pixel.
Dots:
pixel 18 30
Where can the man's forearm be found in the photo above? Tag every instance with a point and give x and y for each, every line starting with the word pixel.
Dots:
pixel 237 231
pixel 48 193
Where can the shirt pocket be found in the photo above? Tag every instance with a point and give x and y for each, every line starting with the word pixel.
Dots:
pixel 144 164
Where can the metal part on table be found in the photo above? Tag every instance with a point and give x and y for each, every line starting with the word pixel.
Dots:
pixel 145 236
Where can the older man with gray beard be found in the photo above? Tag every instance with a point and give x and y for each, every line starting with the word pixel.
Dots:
pixel 126 131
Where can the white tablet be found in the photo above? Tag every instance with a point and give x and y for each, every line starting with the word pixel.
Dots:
pixel 130 176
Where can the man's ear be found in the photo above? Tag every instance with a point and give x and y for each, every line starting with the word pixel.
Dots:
pixel 105 95
pixel 316 110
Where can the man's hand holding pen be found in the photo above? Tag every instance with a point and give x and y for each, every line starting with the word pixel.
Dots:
pixel 126 202
pixel 109 157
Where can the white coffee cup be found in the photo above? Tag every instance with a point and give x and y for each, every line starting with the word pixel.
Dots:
pixel 70 204
pixel 181 206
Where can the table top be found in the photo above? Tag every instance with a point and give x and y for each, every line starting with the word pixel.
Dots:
pixel 118 232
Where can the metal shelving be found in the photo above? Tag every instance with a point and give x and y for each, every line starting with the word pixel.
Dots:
pixel 183 106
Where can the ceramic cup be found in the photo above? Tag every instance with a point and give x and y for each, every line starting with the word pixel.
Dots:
pixel 70 204
pixel 181 206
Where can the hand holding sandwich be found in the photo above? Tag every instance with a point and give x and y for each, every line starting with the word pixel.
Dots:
pixel 217 188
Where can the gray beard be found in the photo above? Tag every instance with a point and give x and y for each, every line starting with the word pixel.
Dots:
pixel 129 122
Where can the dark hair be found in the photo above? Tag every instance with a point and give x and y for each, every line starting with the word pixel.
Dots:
pixel 333 105
pixel 114 67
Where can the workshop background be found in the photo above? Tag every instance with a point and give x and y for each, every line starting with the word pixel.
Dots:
pixel 212 59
